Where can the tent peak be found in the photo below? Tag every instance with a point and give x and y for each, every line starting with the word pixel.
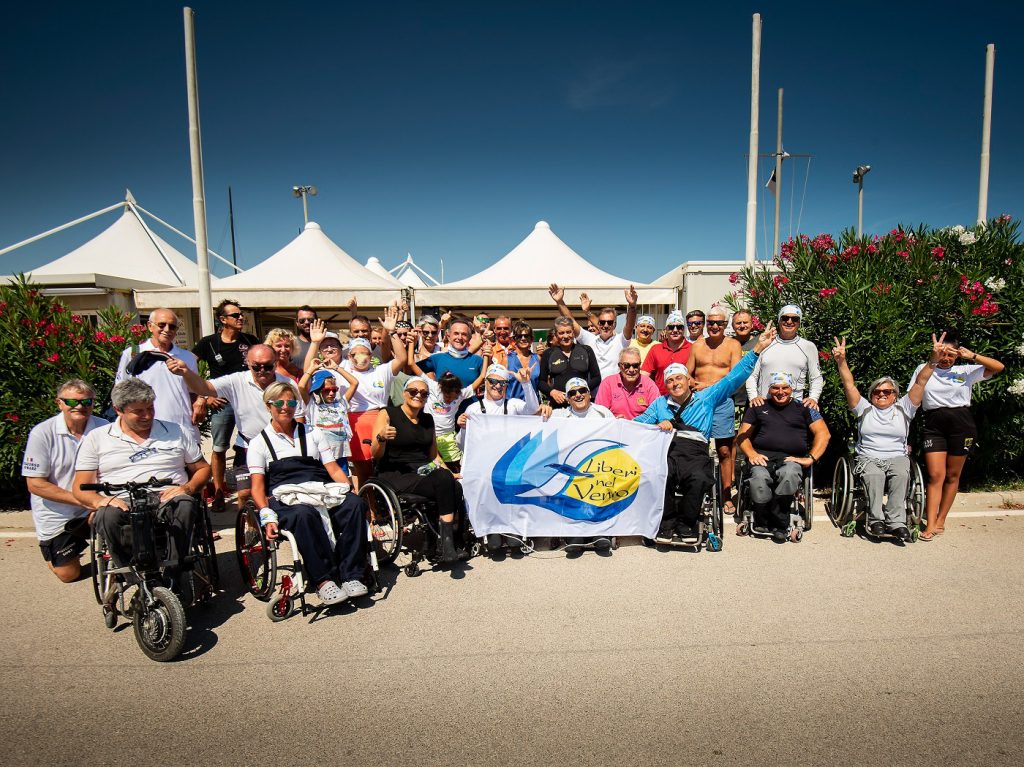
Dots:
pixel 129 197
pixel 311 225
pixel 542 225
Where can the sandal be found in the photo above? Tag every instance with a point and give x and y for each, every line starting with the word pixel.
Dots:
pixel 938 531
pixel 925 536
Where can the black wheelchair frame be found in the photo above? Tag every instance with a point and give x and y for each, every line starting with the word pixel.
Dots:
pixel 801 516
pixel 847 505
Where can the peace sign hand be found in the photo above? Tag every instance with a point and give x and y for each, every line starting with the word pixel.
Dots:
pixel 839 350
pixel 938 346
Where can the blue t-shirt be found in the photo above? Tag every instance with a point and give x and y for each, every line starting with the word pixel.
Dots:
pixel 467 369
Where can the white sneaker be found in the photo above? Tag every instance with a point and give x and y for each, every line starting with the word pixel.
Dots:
pixel 331 594
pixel 355 588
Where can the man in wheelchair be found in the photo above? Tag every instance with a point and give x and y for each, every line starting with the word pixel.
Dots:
pixel 781 439
pixel 690 415
pixel 134 448
pixel 297 484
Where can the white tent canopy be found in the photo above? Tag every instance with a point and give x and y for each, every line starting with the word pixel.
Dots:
pixel 374 265
pixel 311 269
pixel 521 278
pixel 409 273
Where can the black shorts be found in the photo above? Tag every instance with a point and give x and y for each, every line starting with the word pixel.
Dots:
pixel 66 547
pixel 949 430
pixel 241 467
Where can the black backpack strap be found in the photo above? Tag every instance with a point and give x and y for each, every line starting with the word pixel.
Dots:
pixel 270 446
pixel 302 440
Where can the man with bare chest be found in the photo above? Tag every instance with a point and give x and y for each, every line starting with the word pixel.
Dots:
pixel 711 359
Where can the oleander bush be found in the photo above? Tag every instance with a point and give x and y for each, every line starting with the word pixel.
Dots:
pixel 43 343
pixel 887 295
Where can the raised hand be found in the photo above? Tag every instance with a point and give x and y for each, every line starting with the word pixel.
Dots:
pixel 352 304
pixel 176 366
pixel 966 354
pixel 938 346
pixel 486 348
pixel 839 350
pixel 390 318
pixel 557 294
pixel 766 338
pixel 317 331
pixel 585 302
pixel 523 375
pixel 631 296
pixel 314 365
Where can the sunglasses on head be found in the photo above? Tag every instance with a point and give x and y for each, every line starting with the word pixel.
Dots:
pixel 497 382
pixel 673 327
pixel 717 323
pixel 629 365
pixel 789 318
pixel 171 325
pixel 261 366
pixel 577 392
pixel 417 393
pixel 72 402
pixel 234 315
pixel 284 402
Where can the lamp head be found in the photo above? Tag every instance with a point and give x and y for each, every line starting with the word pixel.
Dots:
pixel 860 173
pixel 296 192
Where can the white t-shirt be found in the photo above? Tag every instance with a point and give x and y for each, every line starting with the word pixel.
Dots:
pixel 118 458
pixel 607 351
pixel 173 399
pixel 444 412
pixel 50 454
pixel 950 387
pixel 374 384
pixel 246 398
pixel 594 411
pixel 882 432
pixel 330 420
pixel 529 405
pixel 258 456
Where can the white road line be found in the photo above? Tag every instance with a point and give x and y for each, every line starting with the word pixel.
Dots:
pixel 230 533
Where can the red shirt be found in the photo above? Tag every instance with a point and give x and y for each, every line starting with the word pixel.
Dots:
pixel 660 357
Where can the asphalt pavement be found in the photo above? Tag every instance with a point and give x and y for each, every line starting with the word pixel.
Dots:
pixel 830 651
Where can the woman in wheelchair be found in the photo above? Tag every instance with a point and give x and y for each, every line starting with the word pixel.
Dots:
pixel 690 415
pixel 405 449
pixel 774 437
pixel 290 463
pixel 883 460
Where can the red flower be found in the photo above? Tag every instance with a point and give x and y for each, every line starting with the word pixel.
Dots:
pixel 12 417
pixel 734 278
pixel 76 318
pixel 827 292
pixel 137 329
pixel 850 252
pixel 57 308
pixel 754 292
pixel 882 288
pixel 872 249
pixel 116 339
pixel 938 253
pixel 780 280
pixel 824 356
pixel 99 336
pixel 903 254
pixel 755 321
pixel 53 357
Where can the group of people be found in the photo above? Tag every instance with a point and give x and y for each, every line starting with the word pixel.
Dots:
pixel 314 414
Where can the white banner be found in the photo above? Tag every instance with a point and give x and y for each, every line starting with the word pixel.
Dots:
pixel 564 477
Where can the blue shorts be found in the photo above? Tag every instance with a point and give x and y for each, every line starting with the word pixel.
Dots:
pixel 222 423
pixel 724 423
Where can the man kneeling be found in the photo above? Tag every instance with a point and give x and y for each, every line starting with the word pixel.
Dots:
pixel 134 448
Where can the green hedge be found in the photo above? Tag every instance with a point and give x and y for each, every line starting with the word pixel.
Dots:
pixel 43 343
pixel 887 295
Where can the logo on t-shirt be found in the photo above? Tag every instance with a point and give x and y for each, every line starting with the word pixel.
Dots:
pixel 143 454
pixel 442 408
pixel 30 463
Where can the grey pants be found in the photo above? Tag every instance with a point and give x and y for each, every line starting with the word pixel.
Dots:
pixel 885 476
pixel 764 488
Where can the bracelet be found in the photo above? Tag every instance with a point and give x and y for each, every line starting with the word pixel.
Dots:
pixel 380 439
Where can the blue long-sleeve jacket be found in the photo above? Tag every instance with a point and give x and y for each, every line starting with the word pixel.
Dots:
pixel 699 412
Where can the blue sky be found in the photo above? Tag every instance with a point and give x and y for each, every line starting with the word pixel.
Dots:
pixel 448 129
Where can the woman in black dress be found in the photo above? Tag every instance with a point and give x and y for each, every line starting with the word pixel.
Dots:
pixel 405 449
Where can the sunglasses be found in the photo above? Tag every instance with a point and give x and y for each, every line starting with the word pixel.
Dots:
pixel 497 383
pixel 717 323
pixel 284 402
pixel 694 323
pixel 72 402
pixel 787 318
pixel 171 325
pixel 577 392
pixel 883 392
pixel 261 366
pixel 629 365
pixel 234 315
pixel 524 337
pixel 673 327
pixel 306 321
pixel 430 333
pixel 417 393
pixel 606 323
pixel 482 318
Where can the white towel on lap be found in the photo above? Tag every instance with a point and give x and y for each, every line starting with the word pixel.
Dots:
pixel 320 495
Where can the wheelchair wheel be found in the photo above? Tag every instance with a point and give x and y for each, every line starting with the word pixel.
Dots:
pixel 385 520
pixel 204 574
pixel 808 509
pixel 716 540
pixel 841 499
pixel 280 609
pixel 915 500
pixel 100 561
pixel 256 561
pixel 160 627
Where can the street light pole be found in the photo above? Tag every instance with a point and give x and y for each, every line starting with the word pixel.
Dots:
pixel 858 179
pixel 304 192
